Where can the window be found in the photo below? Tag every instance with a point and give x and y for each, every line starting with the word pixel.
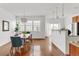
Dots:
pixel 36 25
pixel 55 26
pixel 30 26
pixel 21 28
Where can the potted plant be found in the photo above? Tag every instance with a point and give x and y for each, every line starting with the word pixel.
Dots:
pixel 26 33
pixel 17 29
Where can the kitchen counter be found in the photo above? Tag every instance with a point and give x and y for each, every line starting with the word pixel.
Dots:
pixel 75 43
pixel 73 38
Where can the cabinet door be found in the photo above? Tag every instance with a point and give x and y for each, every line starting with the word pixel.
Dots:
pixel 77 51
pixel 74 19
pixel 72 50
pixel 77 18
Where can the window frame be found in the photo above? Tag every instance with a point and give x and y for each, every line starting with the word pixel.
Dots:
pixel 32 26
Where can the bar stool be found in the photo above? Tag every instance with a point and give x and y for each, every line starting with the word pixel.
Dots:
pixel 16 45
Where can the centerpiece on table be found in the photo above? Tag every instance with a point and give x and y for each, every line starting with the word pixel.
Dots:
pixel 26 33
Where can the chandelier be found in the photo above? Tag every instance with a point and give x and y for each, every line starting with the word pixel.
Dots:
pixel 24 18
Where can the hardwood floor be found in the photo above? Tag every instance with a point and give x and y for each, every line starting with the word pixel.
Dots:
pixel 43 43
pixel 4 50
pixel 44 48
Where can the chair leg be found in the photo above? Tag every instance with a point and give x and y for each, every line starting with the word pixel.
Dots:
pixel 11 51
pixel 17 51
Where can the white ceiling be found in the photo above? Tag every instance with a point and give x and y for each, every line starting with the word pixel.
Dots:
pixel 38 8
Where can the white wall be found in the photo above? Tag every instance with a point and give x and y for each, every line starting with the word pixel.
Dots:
pixel 5 35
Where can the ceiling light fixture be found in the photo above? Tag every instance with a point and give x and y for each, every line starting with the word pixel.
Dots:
pixel 57 17
pixel 63 19
pixel 23 18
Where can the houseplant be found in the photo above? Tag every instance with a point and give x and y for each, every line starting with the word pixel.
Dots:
pixel 16 29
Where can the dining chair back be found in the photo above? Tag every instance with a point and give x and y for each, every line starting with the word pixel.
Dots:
pixel 16 45
pixel 16 41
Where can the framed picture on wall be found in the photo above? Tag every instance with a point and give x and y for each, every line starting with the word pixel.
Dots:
pixel 5 25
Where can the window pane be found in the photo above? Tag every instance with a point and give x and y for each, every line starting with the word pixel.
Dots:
pixel 21 28
pixel 36 28
pixel 36 22
pixel 55 26
pixel 28 27
pixel 29 23
pixel 36 25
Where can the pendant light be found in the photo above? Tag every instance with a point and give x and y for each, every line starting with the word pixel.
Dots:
pixel 63 16
pixel 24 19
pixel 57 17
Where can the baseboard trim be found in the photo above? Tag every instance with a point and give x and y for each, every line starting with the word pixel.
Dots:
pixel 38 38
pixel 5 44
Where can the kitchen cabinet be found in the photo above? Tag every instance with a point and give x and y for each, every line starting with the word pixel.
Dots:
pixel 74 49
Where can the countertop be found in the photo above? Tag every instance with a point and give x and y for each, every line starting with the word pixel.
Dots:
pixel 73 36
pixel 75 43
